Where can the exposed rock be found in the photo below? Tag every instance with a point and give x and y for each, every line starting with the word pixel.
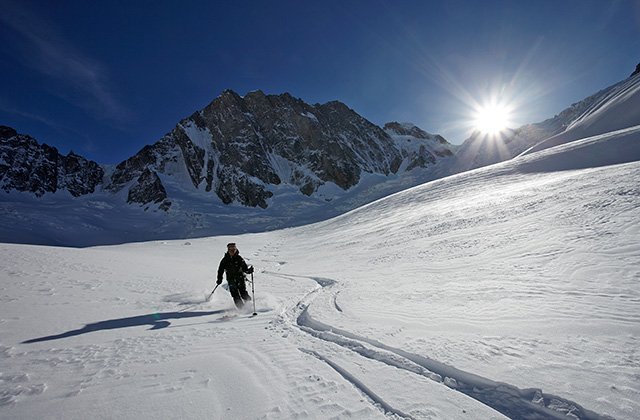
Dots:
pixel 418 148
pixel 148 189
pixel 79 175
pixel 7 132
pixel 26 165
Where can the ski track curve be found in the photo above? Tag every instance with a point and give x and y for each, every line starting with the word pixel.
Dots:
pixel 513 402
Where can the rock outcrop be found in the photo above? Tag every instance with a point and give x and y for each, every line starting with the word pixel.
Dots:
pixel 26 165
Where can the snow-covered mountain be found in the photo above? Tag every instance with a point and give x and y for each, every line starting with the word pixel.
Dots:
pixel 272 160
pixel 613 108
pixel 508 291
pixel 418 148
pixel 237 147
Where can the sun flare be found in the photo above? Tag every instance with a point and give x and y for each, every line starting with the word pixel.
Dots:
pixel 492 119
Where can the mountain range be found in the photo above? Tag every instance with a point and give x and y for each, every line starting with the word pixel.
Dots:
pixel 252 163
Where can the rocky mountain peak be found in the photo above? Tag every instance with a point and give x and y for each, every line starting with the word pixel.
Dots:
pixel 241 147
pixel 27 166
pixel 7 132
pixel 406 129
pixel 228 99
pixel 237 150
pixel 637 70
pixel 409 129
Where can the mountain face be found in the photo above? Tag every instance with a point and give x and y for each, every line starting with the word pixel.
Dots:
pixel 237 147
pixel 417 147
pixel 238 150
pixel 27 166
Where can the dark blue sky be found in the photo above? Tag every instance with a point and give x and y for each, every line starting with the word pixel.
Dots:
pixel 104 78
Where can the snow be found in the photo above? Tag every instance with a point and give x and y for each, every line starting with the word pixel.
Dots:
pixel 200 137
pixel 511 290
pixel 310 115
pixel 618 109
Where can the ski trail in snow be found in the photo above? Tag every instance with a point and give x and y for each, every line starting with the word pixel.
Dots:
pixel 322 281
pixel 386 408
pixel 335 302
pixel 505 398
pixel 508 399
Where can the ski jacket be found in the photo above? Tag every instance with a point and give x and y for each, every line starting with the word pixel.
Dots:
pixel 234 266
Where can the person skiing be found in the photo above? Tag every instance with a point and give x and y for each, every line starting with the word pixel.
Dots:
pixel 235 267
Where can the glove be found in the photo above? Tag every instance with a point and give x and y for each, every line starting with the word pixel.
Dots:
pixel 219 281
pixel 250 270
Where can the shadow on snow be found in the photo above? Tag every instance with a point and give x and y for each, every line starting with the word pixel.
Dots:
pixel 156 320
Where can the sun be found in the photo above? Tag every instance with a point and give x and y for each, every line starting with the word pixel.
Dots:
pixel 492 119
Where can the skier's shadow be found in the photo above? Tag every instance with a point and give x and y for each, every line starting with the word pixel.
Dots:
pixel 156 320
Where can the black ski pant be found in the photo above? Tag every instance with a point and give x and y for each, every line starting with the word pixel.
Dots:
pixel 238 290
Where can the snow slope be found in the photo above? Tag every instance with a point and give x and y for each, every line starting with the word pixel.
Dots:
pixel 618 109
pixel 613 108
pixel 512 290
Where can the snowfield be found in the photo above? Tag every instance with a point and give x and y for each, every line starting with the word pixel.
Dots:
pixel 508 291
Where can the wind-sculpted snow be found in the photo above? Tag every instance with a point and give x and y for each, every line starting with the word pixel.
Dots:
pixel 525 271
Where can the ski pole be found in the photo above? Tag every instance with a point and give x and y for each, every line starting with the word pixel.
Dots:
pixel 253 296
pixel 211 294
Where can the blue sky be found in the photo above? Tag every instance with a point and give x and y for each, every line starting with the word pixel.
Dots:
pixel 105 78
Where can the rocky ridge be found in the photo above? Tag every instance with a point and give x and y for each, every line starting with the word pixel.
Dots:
pixel 27 166
pixel 236 149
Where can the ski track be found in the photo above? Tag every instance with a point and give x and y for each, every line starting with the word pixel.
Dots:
pixel 507 399
pixel 386 408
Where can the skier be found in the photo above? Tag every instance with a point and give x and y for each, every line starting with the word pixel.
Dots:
pixel 235 267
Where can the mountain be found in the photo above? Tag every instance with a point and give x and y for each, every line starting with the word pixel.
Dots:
pixel 237 147
pixel 27 166
pixel 616 107
pixel 270 160
pixel 418 148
